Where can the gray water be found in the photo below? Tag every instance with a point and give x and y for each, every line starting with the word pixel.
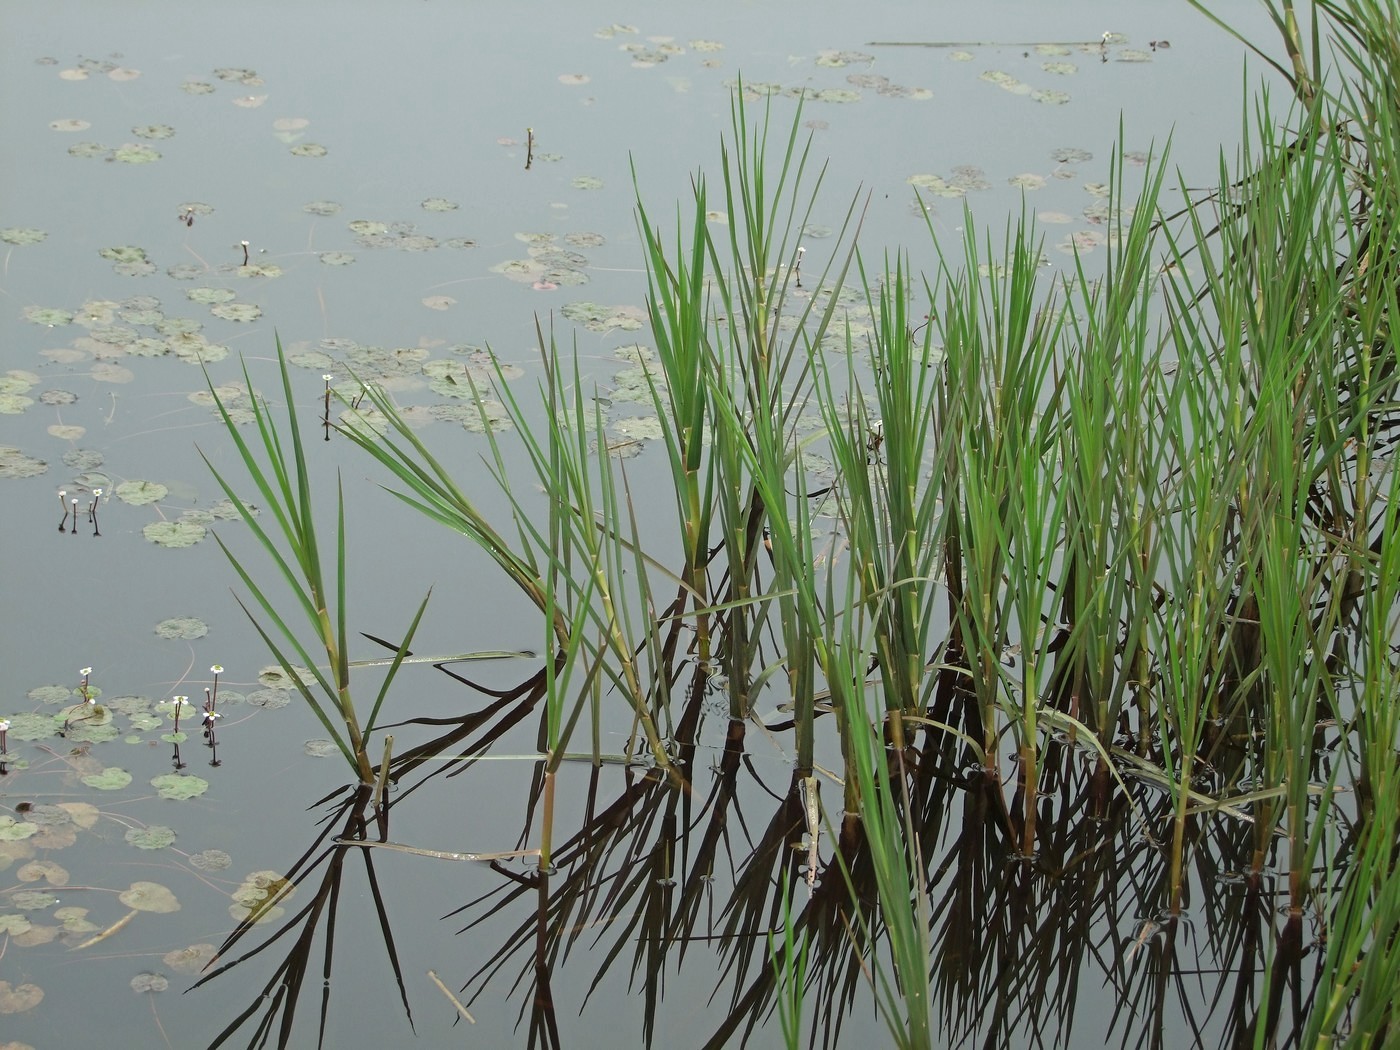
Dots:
pixel 415 101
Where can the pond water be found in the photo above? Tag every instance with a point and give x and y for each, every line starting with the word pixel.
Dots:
pixel 372 159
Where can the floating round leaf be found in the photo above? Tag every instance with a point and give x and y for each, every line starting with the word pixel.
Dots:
pixel 149 983
pixel 12 830
pixel 15 464
pixel 1050 98
pixel 191 960
pixel 179 786
pixel 32 900
pixel 53 874
pixel 14 924
pixel 209 296
pixel 156 836
pixel 237 75
pixel 174 533
pixel 337 258
pixel 439 204
pixel 135 153
pixel 309 149
pixel 321 748
pixel 47 315
pixel 112 778
pixel 439 302
pixel 236 311
pixel 149 896
pixel 1070 155
pixel 211 859
pixel 197 87
pixel 321 207
pixel 19 998
pixel 153 131
pixel 70 124
pixel 139 493
pixel 22 235
pixel 587 182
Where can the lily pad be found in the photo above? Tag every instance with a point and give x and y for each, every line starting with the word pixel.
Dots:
pixel 191 960
pixel 22 235
pixel 150 896
pixel 53 874
pixel 179 786
pixel 135 153
pixel 182 628
pixel 337 258
pixel 14 924
pixel 321 748
pixel 322 208
pixel 587 182
pixel 113 778
pixel 15 464
pixel 211 859
pixel 439 204
pixel 236 311
pixel 32 900
pixel 140 493
pixel 210 296
pixel 19 998
pixel 156 836
pixel 309 149
pixel 155 132
pixel 12 830
pixel 174 533
pixel 31 727
pixel 50 316
pixel 149 983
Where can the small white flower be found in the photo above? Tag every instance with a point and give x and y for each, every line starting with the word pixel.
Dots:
pixel 328 377
pixel 85 671
pixel 217 668
pixel 97 492
pixel 4 725
pixel 180 701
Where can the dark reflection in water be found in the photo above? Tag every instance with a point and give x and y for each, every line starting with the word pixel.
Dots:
pixel 668 880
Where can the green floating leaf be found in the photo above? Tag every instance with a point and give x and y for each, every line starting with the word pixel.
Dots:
pixel 309 149
pixel 236 311
pixel 587 182
pixel 210 296
pixel 149 983
pixel 191 960
pixel 154 132
pixel 174 533
pixel 156 836
pixel 139 493
pixel 150 896
pixel 113 778
pixel 439 204
pixel 15 464
pixel 14 924
pixel 19 998
pixel 322 208
pixel 12 830
pixel 22 235
pixel 179 786
pixel 47 315
pixel 182 628
pixel 135 153
pixel 337 258
pixel 211 860
pixel 33 900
